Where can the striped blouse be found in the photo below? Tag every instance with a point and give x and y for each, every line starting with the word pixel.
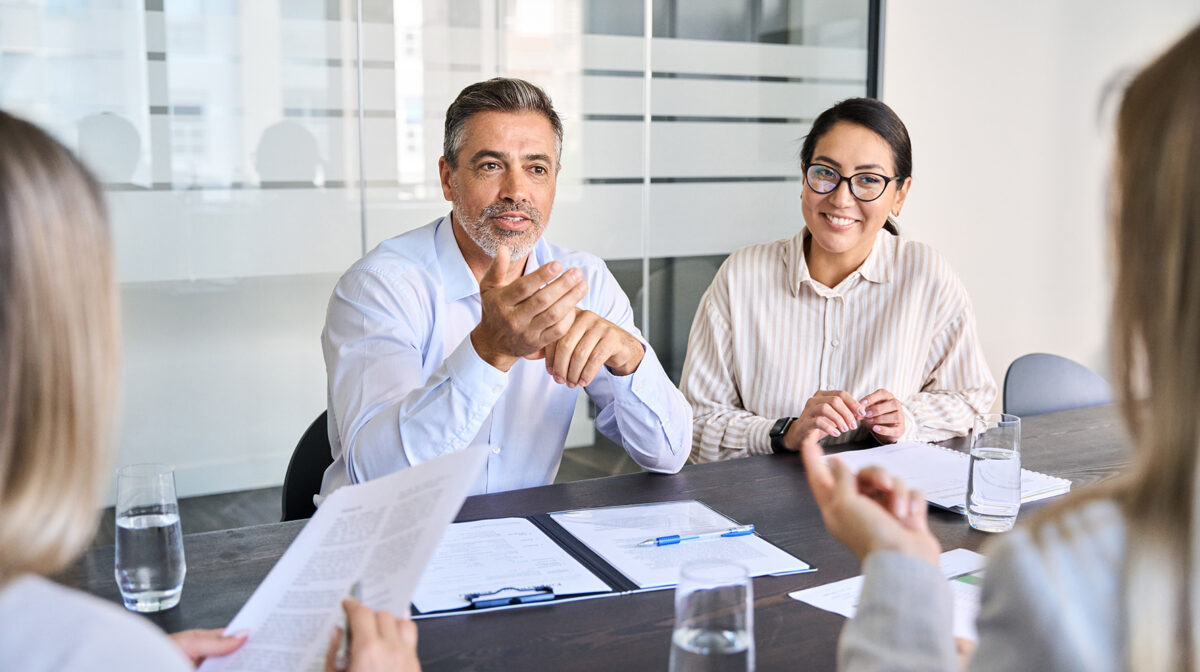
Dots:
pixel 767 336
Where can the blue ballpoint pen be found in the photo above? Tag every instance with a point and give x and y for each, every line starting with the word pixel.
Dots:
pixel 739 531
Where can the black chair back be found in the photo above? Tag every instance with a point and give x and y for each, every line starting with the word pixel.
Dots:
pixel 306 469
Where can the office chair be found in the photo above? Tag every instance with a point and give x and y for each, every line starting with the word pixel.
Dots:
pixel 309 461
pixel 1041 383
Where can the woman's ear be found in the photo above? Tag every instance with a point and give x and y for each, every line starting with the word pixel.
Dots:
pixel 901 194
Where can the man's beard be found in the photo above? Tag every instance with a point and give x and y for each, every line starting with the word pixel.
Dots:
pixel 489 238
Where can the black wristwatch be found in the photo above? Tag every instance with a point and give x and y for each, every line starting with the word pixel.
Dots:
pixel 777 431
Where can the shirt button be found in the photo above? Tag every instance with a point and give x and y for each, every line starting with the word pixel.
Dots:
pixel 496 450
pixel 498 389
pixel 835 342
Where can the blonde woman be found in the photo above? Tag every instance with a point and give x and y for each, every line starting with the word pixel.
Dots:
pixel 58 373
pixel 1107 579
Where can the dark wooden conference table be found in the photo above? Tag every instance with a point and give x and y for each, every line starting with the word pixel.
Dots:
pixel 632 632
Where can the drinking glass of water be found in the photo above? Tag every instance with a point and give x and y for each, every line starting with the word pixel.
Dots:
pixel 994 484
pixel 149 565
pixel 714 618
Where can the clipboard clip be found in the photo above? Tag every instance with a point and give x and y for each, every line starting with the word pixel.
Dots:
pixel 509 595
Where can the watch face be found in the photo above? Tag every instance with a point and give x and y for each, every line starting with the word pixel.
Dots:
pixel 780 426
pixel 777 431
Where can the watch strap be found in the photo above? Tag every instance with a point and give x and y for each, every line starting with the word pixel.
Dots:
pixel 777 431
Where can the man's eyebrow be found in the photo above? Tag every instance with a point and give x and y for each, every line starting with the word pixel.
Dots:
pixel 488 154
pixel 538 157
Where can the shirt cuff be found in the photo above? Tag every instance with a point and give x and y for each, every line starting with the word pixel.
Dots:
pixel 643 379
pixel 476 379
pixel 758 435
pixel 911 431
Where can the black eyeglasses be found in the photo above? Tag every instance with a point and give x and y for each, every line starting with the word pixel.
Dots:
pixel 863 186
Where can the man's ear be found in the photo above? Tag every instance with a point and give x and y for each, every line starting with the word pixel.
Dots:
pixel 444 171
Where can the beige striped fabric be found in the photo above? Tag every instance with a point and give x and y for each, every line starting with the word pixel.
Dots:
pixel 767 336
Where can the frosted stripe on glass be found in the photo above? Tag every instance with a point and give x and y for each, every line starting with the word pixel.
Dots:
pixel 610 149
pixel 692 149
pixel 215 234
pixel 723 98
pixel 335 40
pixel 613 95
pixel 748 58
pixel 610 52
pixel 730 216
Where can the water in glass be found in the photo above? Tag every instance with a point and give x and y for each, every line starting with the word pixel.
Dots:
pixel 698 650
pixel 994 488
pixel 149 562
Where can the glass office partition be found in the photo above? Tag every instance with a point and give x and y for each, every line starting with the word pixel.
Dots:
pixel 243 175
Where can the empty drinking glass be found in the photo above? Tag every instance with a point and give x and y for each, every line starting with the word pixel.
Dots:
pixel 149 564
pixel 994 482
pixel 714 618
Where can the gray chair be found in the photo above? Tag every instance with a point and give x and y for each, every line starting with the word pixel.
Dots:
pixel 1041 383
pixel 307 467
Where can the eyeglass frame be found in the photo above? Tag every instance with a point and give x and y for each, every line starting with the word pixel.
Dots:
pixel 847 179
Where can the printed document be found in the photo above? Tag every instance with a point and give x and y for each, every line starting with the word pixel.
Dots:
pixel 614 533
pixel 486 556
pixel 380 533
pixel 962 568
pixel 941 473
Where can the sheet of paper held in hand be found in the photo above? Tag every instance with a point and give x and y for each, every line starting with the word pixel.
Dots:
pixel 486 555
pixel 941 473
pixel 614 533
pixel 380 533
pixel 962 568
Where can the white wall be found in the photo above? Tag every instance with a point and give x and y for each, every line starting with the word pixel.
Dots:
pixel 1011 136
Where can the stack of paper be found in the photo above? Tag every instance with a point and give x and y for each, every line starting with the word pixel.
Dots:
pixel 942 473
pixel 962 568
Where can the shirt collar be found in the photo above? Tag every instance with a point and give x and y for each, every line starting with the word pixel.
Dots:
pixel 879 266
pixel 458 282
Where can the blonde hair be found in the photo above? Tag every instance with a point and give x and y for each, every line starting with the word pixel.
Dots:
pixel 1156 314
pixel 58 351
pixel 1156 356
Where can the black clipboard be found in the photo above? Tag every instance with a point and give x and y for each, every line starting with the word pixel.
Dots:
pixel 522 595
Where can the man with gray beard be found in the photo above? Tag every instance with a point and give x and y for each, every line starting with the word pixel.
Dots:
pixel 474 330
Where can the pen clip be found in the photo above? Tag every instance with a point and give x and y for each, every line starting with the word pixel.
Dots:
pixel 509 595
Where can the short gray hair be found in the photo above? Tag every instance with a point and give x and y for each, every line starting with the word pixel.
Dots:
pixel 500 94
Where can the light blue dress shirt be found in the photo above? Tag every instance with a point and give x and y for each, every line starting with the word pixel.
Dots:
pixel 406 385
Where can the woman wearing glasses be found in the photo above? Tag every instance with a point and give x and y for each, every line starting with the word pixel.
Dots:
pixel 847 327
pixel 1105 579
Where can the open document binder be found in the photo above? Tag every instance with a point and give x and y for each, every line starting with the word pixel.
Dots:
pixel 579 554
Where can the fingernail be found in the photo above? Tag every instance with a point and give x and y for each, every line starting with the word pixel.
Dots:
pixel 559 380
pixel 574 274
pixel 836 433
pixel 845 428
pixel 868 414
pixel 240 634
